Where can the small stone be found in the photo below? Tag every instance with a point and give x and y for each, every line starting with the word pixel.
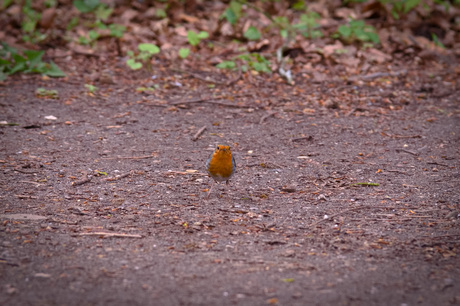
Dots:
pixel 453 215
pixel 289 189
pixel 321 197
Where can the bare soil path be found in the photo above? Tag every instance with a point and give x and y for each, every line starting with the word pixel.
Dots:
pixel 351 201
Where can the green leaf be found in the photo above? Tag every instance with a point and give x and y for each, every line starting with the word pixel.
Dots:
pixel 284 33
pixel 282 21
pixel 288 280
pixel 203 35
pixel 236 7
pixel 91 88
pixel 6 3
pixel 261 67
pixel 149 48
pixel 4 63
pixel 46 93
pixel 374 37
pixel 252 33
pixel 357 24
pixel 34 57
pixel 133 64
pixel 230 15
pixel 145 89
pixel 83 40
pixel 436 41
pixel 86 6
pixel 3 76
pixel 54 71
pixel 184 52
pixel 409 5
pixel 72 23
pixel 365 184
pixel 344 31
pixel 160 13
pixel 193 38
pixel 117 30
pixel 93 35
pixel 299 5
pixel 103 12
pixel 226 65
pixel 100 25
pixel 8 48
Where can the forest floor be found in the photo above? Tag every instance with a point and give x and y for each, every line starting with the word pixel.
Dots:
pixel 351 201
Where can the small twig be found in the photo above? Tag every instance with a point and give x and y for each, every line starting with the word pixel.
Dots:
pixel 198 100
pixel 365 184
pixel 309 138
pixel 130 157
pixel 184 173
pixel 442 236
pixel 406 136
pixel 401 136
pixel 119 177
pixel 348 210
pixel 407 151
pixel 106 234
pixel 356 109
pixel 83 181
pixel 197 134
pixel 397 171
pixel 31 182
pixel 382 74
pixel 234 211
pixel 210 101
pixel 64 221
pixel 238 76
pixel 199 77
pixel 25 172
pixel 24 196
pixel 86 53
pixel 438 164
pixel 267 116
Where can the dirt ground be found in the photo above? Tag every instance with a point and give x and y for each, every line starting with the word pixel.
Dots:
pixel 346 192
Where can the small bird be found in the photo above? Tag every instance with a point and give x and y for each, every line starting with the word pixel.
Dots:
pixel 220 165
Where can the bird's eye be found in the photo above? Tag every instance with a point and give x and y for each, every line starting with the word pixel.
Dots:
pixel 217 148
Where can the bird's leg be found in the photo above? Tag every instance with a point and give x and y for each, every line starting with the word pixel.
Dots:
pixel 210 189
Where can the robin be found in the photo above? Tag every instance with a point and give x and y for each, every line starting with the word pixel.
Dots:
pixel 220 165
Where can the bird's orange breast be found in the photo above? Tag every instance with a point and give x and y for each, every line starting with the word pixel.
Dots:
pixel 220 165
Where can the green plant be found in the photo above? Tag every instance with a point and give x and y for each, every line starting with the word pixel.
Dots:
pixel 146 89
pixel 86 6
pixel 399 7
pixel 357 30
pixel 46 93
pixel 117 30
pixel 402 7
pixel 252 33
pixel 308 25
pixel 72 23
pixel 184 52
pixel 90 39
pixel 29 61
pixel 233 12
pixel 30 19
pixel 226 65
pixel 195 38
pixel 101 13
pixel 254 61
pixel 146 52
pixel 436 41
pixel 91 88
